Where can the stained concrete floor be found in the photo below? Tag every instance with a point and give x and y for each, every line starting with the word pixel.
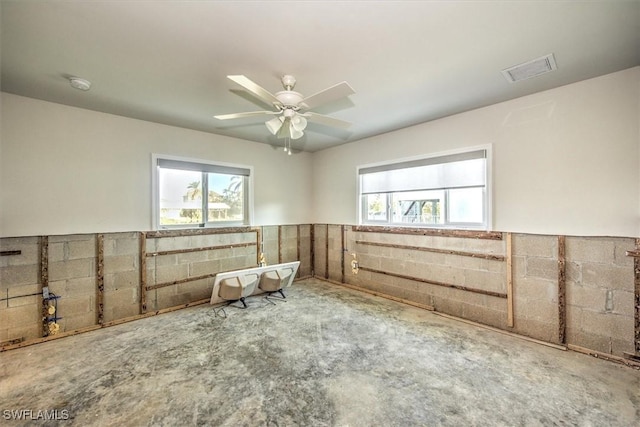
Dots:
pixel 329 356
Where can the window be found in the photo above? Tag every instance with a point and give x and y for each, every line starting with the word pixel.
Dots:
pixel 444 191
pixel 199 194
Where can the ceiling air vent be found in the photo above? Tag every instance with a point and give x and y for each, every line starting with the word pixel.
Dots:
pixel 530 69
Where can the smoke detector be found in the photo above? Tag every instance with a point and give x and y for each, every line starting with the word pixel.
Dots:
pixel 533 68
pixel 78 83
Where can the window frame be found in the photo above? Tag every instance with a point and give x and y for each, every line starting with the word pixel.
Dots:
pixel 155 194
pixel 361 209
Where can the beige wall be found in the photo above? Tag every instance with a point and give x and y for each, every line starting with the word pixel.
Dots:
pixel 68 170
pixel 565 161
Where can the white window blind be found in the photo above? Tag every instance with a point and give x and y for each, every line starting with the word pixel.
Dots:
pixel 202 167
pixel 450 171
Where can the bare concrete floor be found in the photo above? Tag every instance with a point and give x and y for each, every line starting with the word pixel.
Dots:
pixel 327 356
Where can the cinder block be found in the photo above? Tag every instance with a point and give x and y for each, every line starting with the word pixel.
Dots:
pixel 622 327
pixel 170 273
pixel 78 321
pixel 56 252
pixel 234 264
pixel 271 232
pixel 166 297
pixel 596 323
pixel 162 260
pixel 120 263
pixel 540 310
pixel 172 243
pixel 518 266
pixel 195 291
pixel 484 280
pixel 545 268
pixel 80 287
pixel 573 272
pixel 590 249
pixel 28 247
pixel 205 267
pixel 126 243
pixel 27 332
pixel 228 252
pixel 596 342
pixel 18 295
pixel 623 303
pixel 121 312
pixel 125 279
pixel 190 257
pixel 288 255
pixel 535 289
pixel 73 306
pixel 621 246
pixel 72 269
pixel 16 275
pixel 447 306
pixel 78 249
pixel 121 244
pixel 483 246
pixel 483 315
pixel 246 250
pixel 535 245
pixel 541 330
pixel 23 315
pixel 586 297
pixel 608 276
pixel 290 232
pixel 120 297
pixel 305 231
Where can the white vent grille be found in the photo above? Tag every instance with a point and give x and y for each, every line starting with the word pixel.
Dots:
pixel 530 69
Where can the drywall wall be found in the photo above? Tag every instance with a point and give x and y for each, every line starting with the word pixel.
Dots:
pixel 69 170
pixel 565 161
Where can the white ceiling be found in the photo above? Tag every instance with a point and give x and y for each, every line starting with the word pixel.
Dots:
pixel 408 61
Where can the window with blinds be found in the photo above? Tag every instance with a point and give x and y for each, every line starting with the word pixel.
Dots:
pixel 443 191
pixel 200 194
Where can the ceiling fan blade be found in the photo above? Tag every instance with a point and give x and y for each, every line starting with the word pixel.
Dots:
pixel 326 120
pixel 243 115
pixel 335 92
pixel 255 89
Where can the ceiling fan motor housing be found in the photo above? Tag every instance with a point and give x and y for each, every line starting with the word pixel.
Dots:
pixel 289 98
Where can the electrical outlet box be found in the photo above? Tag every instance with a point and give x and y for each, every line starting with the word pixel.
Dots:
pixel 45 292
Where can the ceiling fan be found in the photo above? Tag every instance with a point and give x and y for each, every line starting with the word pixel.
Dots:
pixel 291 108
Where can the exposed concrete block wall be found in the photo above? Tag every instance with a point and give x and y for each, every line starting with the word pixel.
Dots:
pixel 73 277
pixel 270 244
pixel 320 251
pixel 395 255
pixel 600 294
pixel 121 275
pixel 598 312
pixel 535 290
pixel 336 253
pixel 176 277
pixel 177 271
pixel 305 269
pixel 288 243
pixel 20 275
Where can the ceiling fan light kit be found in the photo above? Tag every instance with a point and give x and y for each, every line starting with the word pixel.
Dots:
pixel 291 107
